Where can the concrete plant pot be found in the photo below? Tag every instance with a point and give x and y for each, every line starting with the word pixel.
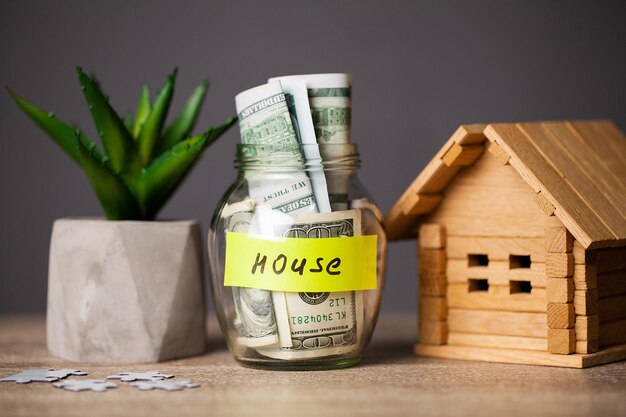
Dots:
pixel 125 291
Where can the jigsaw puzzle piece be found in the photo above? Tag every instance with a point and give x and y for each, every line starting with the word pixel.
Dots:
pixel 30 375
pixel 164 385
pixel 97 385
pixel 140 376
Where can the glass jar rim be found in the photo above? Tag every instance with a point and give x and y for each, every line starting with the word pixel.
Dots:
pixel 324 156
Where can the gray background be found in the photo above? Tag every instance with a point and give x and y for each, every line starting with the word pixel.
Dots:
pixel 420 69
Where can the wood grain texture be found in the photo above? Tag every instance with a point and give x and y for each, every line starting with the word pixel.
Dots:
pixel 560 290
pixel 431 181
pixel 391 381
pixel 561 316
pixel 575 214
pixel 582 255
pixel 519 356
pixel 433 308
pixel 544 204
pixel 558 240
pixel 497 248
pixel 585 277
pixel 497 341
pixel 587 346
pixel 502 323
pixel 432 283
pixel 559 265
pixel 459 297
pixel 432 332
pixel 590 160
pixel 611 284
pixel 491 200
pixel 497 272
pixel 586 302
pixel 612 308
pixel 432 236
pixel 462 155
pixel 612 332
pixel 585 184
pixel 561 341
pixel 498 152
pixel 432 260
pixel 587 327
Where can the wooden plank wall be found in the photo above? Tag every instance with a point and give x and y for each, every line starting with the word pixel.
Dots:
pixel 433 310
pixel 611 295
pixel 587 324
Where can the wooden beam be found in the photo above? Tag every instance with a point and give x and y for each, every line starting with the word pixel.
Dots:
pixel 559 265
pixel 520 356
pixel 611 259
pixel 462 155
pixel 432 236
pixel 558 240
pixel 611 284
pixel 433 332
pixel 560 290
pixel 545 205
pixel 432 284
pixel 416 204
pixel 459 297
pixel 560 316
pixel 433 308
pixel 432 260
pixel 497 322
pixel 497 341
pixel 612 308
pixel 587 346
pixel 613 332
pixel 497 248
pixel 586 302
pixel 498 152
pixel 587 327
pixel 585 277
pixel 583 256
pixel 561 341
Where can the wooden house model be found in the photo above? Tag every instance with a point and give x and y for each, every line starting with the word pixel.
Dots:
pixel 521 234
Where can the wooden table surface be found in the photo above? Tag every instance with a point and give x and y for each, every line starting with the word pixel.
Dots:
pixel 390 381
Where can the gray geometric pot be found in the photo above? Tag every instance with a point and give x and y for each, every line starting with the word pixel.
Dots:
pixel 125 291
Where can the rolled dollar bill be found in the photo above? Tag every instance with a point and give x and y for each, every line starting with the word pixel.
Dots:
pixel 255 320
pixel 331 109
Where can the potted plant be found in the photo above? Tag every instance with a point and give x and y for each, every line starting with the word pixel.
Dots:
pixel 128 288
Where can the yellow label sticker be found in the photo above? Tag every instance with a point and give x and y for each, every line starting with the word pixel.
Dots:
pixel 300 265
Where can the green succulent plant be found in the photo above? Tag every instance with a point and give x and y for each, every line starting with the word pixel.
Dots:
pixel 142 162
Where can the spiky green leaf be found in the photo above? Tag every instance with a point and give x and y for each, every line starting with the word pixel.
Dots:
pixel 115 198
pixel 61 133
pixel 184 122
pixel 215 132
pixel 143 110
pixel 116 139
pixel 154 123
pixel 159 180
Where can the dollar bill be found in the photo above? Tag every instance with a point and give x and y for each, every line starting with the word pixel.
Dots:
pixel 264 120
pixel 320 323
pixel 330 100
pixel 255 319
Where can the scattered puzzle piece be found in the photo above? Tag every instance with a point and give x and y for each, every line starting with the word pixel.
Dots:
pixel 166 385
pixel 98 385
pixel 41 375
pixel 140 376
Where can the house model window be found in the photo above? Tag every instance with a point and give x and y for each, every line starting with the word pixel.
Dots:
pixel 519 261
pixel 477 260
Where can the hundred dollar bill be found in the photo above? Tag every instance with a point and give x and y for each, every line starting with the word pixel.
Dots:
pixel 321 323
pixel 264 119
pixel 331 109
pixel 255 320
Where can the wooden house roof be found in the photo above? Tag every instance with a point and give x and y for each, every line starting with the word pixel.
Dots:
pixel 576 168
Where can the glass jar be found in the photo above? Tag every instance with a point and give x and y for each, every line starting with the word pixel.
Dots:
pixel 297 255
